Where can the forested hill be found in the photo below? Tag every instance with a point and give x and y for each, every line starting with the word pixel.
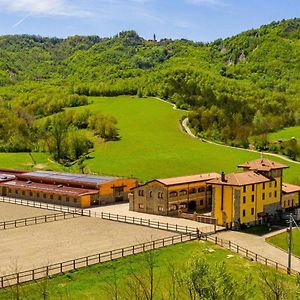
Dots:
pixel 224 82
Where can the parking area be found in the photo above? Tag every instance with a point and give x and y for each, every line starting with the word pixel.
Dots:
pixel 123 210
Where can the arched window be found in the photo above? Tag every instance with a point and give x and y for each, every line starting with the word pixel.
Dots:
pixel 150 194
pixel 183 192
pixel 173 194
pixel 160 195
pixel 193 191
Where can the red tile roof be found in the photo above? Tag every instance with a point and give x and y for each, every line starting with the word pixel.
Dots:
pixel 240 179
pixel 47 188
pixel 290 188
pixel 188 179
pixel 262 164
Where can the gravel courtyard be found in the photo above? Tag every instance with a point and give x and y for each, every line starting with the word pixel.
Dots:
pixel 39 245
pixel 10 212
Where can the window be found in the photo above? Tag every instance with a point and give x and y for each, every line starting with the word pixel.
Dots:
pixel 51 197
pixel 201 189
pixel 201 202
pixel 244 189
pixel 275 183
pixel 141 206
pixel 270 195
pixel 183 192
pixel 160 208
pixel 270 184
pixel 275 194
pixel 23 193
pixel 173 194
pixel 264 186
pixel 193 191
pixel 30 194
pixel 59 197
pixel 244 199
pixel 253 187
pixel 45 196
pixel 173 207
pixel 141 192
pixel 252 211
pixel 67 199
pixel 288 202
pixel 150 194
pixel 17 192
pixel 9 190
pixel 160 195
pixel 75 200
pixel 263 196
pixel 244 213
pixel 284 203
pixel 252 198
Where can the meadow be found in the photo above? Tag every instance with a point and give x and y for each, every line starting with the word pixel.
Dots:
pixel 281 241
pixel 285 134
pixel 97 282
pixel 152 145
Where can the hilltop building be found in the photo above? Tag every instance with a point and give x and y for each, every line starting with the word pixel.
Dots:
pixel 64 188
pixel 251 196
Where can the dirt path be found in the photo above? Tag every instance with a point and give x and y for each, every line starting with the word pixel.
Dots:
pixel 189 132
pixel 258 245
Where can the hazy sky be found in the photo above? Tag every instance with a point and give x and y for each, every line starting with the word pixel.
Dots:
pixel 199 20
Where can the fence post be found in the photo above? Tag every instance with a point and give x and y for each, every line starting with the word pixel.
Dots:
pixel 74 264
pixel 33 274
pixel 61 267
pixel 101 214
pixel 153 244
pixel 255 257
pixel 87 261
pixel 216 240
pixel 237 248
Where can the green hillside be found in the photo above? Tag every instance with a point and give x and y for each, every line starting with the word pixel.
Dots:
pixel 232 89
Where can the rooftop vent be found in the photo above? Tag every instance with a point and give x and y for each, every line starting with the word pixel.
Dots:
pixel 28 182
pixel 60 186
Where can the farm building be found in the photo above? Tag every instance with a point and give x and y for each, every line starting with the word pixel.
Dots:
pixel 64 188
pixel 250 197
pixel 172 195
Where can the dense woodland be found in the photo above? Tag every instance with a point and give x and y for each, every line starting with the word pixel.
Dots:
pixel 232 89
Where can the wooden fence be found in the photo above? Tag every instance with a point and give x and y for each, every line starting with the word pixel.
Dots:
pixel 113 217
pixel 36 220
pixel 74 264
pixel 246 253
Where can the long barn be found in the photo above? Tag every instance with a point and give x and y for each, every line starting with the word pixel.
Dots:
pixel 64 188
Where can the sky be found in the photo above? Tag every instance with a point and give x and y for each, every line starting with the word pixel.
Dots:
pixel 198 20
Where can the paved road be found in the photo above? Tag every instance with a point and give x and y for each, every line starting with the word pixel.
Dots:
pixel 258 245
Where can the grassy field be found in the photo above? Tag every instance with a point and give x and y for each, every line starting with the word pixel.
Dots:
pixel 95 282
pixel 285 134
pixel 281 241
pixel 152 145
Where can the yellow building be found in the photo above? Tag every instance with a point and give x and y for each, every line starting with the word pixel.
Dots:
pixel 290 196
pixel 172 196
pixel 248 197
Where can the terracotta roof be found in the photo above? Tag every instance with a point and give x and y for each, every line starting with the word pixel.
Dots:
pixel 188 179
pixel 11 171
pixel 262 164
pixel 240 179
pixel 6 177
pixel 47 188
pixel 290 188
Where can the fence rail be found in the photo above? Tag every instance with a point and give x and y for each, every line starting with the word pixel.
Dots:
pixel 59 268
pixel 233 247
pixel 36 220
pixel 113 217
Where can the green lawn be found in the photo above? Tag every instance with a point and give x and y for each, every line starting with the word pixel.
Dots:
pixel 152 145
pixel 285 134
pixel 92 282
pixel 281 241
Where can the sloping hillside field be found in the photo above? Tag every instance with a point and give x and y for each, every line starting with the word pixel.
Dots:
pixel 153 144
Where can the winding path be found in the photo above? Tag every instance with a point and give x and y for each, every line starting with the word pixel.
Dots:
pixel 190 133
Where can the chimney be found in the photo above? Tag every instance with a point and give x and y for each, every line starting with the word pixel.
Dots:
pixel 223 177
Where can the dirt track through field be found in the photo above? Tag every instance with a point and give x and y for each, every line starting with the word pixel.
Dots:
pixel 10 212
pixel 35 246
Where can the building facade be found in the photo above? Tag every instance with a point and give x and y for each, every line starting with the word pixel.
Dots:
pixel 172 196
pixel 64 188
pixel 249 197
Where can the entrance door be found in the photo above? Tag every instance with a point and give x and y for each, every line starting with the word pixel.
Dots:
pixel 192 206
pixel 119 194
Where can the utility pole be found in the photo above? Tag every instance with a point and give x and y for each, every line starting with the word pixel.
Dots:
pixel 290 245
